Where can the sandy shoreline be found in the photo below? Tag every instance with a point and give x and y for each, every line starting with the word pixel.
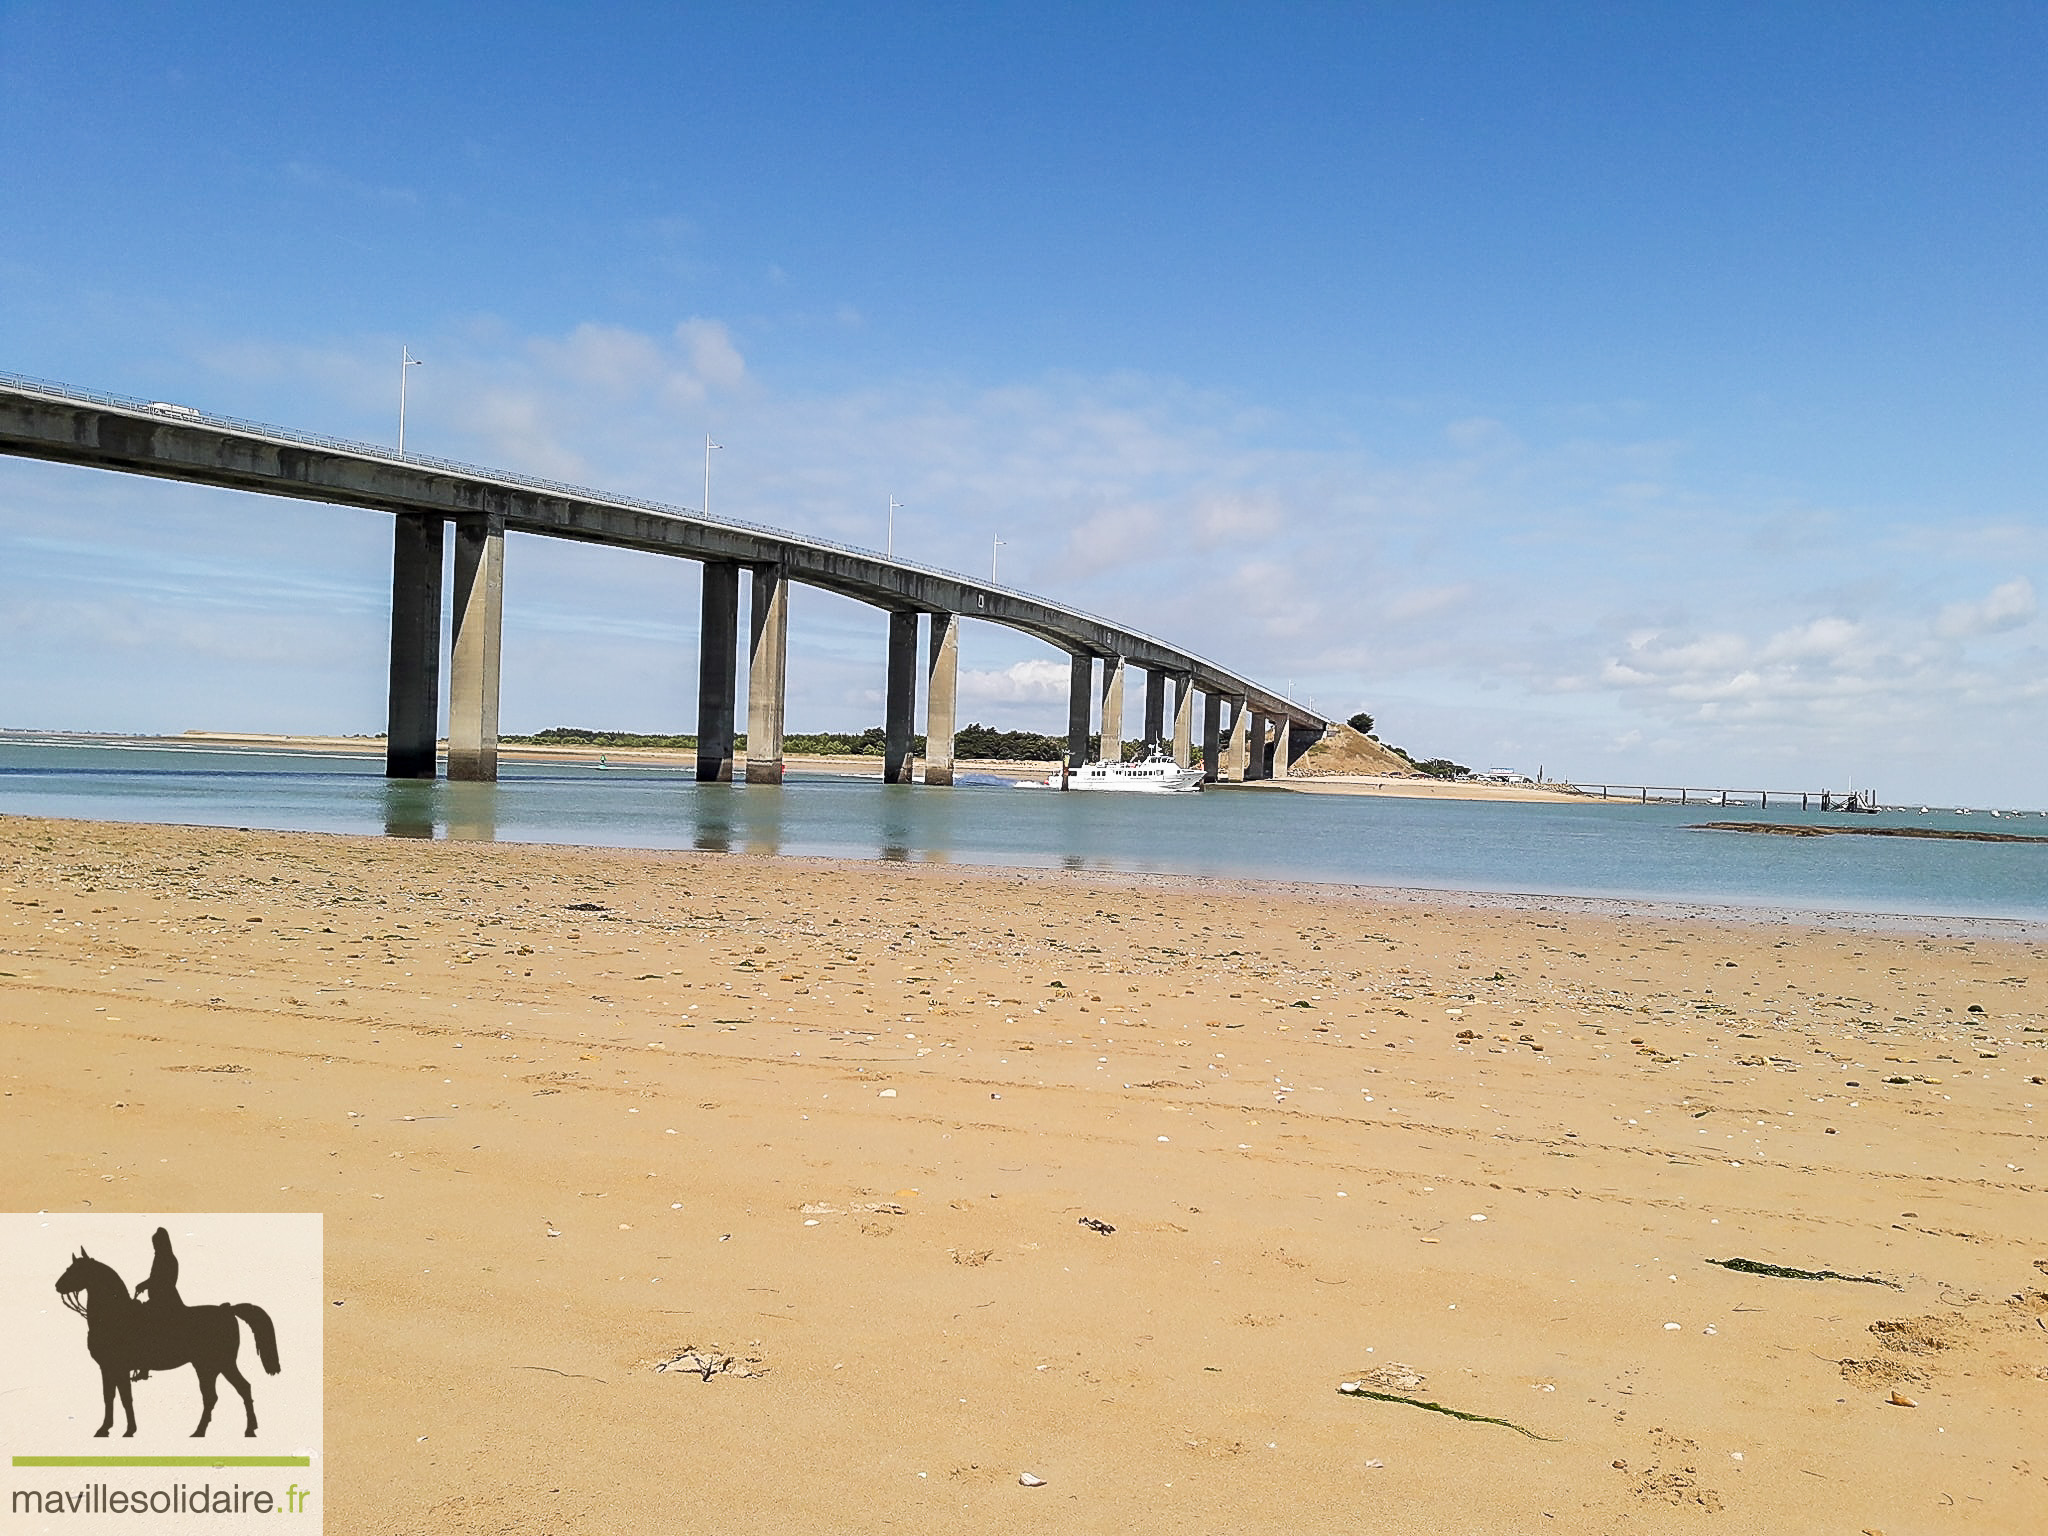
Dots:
pixel 842 1122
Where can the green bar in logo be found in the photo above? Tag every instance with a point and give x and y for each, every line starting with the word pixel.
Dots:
pixel 163 1461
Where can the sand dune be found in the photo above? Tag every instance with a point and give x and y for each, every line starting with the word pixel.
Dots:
pixel 833 1134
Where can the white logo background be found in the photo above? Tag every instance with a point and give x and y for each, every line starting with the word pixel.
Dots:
pixel 50 1394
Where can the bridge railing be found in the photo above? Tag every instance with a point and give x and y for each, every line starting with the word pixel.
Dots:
pixel 298 439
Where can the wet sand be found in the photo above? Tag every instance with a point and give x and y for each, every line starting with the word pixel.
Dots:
pixel 571 1113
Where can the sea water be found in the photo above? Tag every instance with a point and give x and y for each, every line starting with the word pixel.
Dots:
pixel 1589 848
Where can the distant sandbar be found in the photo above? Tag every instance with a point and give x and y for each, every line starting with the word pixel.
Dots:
pixel 1782 829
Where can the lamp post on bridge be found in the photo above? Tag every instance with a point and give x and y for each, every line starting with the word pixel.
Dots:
pixel 406 361
pixel 895 506
pixel 708 446
pixel 992 581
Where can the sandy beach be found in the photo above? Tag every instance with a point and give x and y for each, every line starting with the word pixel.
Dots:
pixel 853 1131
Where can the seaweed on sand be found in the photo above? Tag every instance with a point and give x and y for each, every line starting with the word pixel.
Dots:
pixel 1780 1271
pixel 1353 1389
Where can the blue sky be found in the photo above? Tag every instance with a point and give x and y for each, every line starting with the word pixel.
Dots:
pixel 1641 392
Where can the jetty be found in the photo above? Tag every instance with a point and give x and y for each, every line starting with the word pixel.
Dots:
pixel 1809 799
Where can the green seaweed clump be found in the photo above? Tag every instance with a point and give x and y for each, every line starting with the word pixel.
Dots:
pixel 1780 1271
pixel 1353 1389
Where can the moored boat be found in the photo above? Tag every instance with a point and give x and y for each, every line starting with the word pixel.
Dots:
pixel 1153 774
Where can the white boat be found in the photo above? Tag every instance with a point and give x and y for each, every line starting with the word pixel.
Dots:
pixel 1154 774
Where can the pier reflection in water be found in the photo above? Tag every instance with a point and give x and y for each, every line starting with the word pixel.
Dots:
pixel 408 808
pixel 729 816
pixel 663 809
pixel 421 808
pixel 472 812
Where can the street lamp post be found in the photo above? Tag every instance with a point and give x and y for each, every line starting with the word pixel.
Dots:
pixel 708 446
pixel 895 506
pixel 992 561
pixel 406 361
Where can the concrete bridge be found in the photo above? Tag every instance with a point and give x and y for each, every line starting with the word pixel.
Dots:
pixel 1248 732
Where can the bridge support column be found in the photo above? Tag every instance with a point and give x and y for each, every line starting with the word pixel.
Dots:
pixel 1079 689
pixel 899 709
pixel 1212 737
pixel 1256 764
pixel 1237 739
pixel 1183 719
pixel 1155 709
pixel 1299 739
pixel 473 662
pixel 942 693
pixel 767 673
pixel 717 660
pixel 414 716
pixel 1283 741
pixel 1112 709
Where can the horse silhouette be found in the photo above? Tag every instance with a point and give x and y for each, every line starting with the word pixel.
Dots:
pixel 127 1337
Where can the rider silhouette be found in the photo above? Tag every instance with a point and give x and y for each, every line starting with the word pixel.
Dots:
pixel 162 1283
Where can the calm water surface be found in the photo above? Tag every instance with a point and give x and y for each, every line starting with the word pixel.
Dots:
pixel 1592 849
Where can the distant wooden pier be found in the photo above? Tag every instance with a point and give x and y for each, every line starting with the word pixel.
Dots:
pixel 1809 799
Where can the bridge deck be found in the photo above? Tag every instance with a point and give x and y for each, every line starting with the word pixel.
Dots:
pixel 50 422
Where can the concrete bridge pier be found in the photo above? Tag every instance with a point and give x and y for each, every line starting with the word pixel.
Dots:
pixel 1257 764
pixel 1112 709
pixel 1237 752
pixel 412 723
pixel 1155 709
pixel 767 673
pixel 899 701
pixel 717 662
pixel 473 662
pixel 942 693
pixel 1080 680
pixel 1212 737
pixel 1183 718
pixel 1283 737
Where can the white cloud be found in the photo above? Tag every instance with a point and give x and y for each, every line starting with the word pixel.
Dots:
pixel 1023 682
pixel 713 357
pixel 1117 535
pixel 1222 517
pixel 1477 434
pixel 1424 602
pixel 610 358
pixel 2007 606
pixel 1823 639
pixel 1278 597
pixel 1828 678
